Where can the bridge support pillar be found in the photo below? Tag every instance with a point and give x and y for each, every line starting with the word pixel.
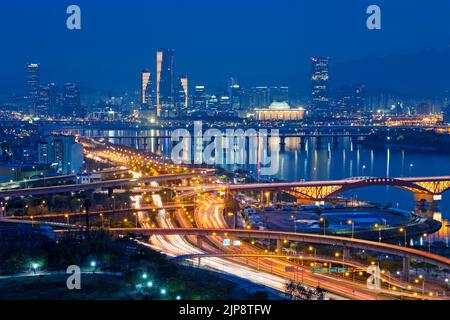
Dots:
pixel 302 143
pixel 275 197
pixel 427 204
pixel 279 246
pixel 405 269
pixel 335 141
pixel 346 253
pixel 267 195
pixel 145 143
pixel 318 142
pixel 283 143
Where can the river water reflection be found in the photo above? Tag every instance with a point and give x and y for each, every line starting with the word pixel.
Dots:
pixel 327 161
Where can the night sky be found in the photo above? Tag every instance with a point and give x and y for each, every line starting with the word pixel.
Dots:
pixel 213 39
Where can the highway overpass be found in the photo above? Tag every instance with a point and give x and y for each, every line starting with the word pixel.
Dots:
pixel 346 243
pixel 101 185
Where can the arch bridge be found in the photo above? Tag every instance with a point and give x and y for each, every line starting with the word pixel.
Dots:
pixel 429 189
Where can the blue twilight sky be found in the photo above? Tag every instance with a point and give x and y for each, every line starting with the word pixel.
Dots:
pixel 213 39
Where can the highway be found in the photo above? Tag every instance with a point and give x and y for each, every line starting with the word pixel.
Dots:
pixel 209 214
pixel 200 232
pixel 386 248
pixel 101 185
pixel 153 208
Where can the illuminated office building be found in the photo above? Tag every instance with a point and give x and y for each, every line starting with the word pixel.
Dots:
pixel 146 90
pixel 279 94
pixel 200 99
pixel 319 92
pixel 72 101
pixel 165 102
pixel 182 95
pixel 259 97
pixel 33 83
pixel 236 97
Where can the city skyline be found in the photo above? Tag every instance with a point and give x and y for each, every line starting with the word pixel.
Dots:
pixel 277 51
pixel 227 150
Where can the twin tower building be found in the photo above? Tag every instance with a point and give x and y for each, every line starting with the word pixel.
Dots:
pixel 168 96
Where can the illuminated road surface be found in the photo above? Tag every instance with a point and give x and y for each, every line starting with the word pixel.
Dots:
pixel 268 272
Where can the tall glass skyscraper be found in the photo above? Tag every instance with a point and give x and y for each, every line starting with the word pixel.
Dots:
pixel 146 90
pixel 200 99
pixel 165 97
pixel 72 101
pixel 33 83
pixel 182 95
pixel 320 90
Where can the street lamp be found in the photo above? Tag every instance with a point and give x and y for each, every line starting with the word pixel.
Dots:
pixel 353 227
pixel 67 217
pixel 403 230
pixel 136 218
pixel 101 216
pixel 377 226
pixel 425 235
pixel 35 267
pixel 423 284
pixel 322 220
pixel 163 291
pixel 311 248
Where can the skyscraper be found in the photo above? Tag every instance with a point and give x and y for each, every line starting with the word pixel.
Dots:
pixel 319 92
pixel 165 102
pixel 43 101
pixel 200 99
pixel 182 95
pixel 49 100
pixel 259 97
pixel 146 90
pixel 235 97
pixel 54 95
pixel 279 94
pixel 72 101
pixel 33 83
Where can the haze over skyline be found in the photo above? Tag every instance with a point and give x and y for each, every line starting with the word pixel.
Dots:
pixel 214 40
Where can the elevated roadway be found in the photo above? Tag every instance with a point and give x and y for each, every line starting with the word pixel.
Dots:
pixel 346 243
